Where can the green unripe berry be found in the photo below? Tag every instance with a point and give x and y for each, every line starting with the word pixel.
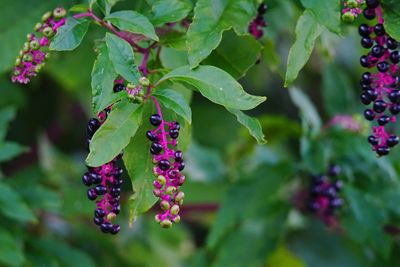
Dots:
pixel 180 196
pixel 130 86
pixel 111 216
pixel 177 219
pixel 352 3
pixel 38 26
pixel 26 47
pixel 165 205
pixel 27 57
pixel 38 68
pixel 156 218
pixel 139 100
pixel 17 72
pixel 47 56
pixel 166 223
pixel 161 179
pixel 48 32
pixel 21 53
pixel 174 209
pixel 29 36
pixel 141 93
pixel 17 61
pixel 59 12
pixel 348 17
pixel 46 16
pixel 34 45
pixel 155 172
pixel 143 81
pixel 170 189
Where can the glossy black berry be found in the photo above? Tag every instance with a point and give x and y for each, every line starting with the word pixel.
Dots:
pixel 372 3
pixel 115 191
pixel 181 166
pixel 382 150
pixel 115 229
pixel 155 148
pixel 391 43
pixel 369 114
pixel 394 109
pixel 364 61
pixel 118 87
pixel 98 220
pixel 176 126
pixel 91 193
pixel 373 140
pixel 363 30
pixel 379 30
pixel 377 51
pixel 367 42
pixel 383 66
pixel 174 133
pixel 392 140
pixel 334 170
pixel 365 98
pixel 151 136
pixel 383 120
pixel 93 126
pixel 99 213
pixel 116 209
pixel 155 119
pixel 395 57
pixel 96 178
pixel 394 96
pixel 178 156
pixel 369 13
pixel 366 78
pixel 100 190
pixel 164 165
pixel 86 179
pixel 106 227
pixel 379 106
pixel 372 94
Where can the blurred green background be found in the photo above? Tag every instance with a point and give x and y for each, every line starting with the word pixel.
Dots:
pixel 239 205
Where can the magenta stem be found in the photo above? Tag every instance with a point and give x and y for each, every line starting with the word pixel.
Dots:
pixel 163 134
pixel 379 14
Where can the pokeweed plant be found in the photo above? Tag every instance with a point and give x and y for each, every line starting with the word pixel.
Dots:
pixel 130 83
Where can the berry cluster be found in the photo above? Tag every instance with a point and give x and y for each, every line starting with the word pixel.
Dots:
pixel 169 164
pixel 351 9
pixel 256 27
pixel 32 57
pixel 323 198
pixel 380 88
pixel 106 183
pixel 135 92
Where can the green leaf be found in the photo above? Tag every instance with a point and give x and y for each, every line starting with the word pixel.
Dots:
pixel 391 16
pixel 106 5
pixel 284 257
pixel 138 162
pixel 115 134
pixel 7 114
pixel 338 93
pixel 216 85
pixel 211 19
pixel 12 206
pixel 236 54
pixel 176 102
pixel 122 57
pixel 11 253
pixel 133 22
pixel 70 35
pixel 9 150
pixel 307 31
pixel 252 125
pixel 170 11
pixel 327 13
pixel 103 76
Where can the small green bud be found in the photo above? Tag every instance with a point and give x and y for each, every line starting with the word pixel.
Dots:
pixel 26 47
pixel 348 17
pixel 111 216
pixel 46 16
pixel 170 189
pixel 27 57
pixel 141 93
pixel 180 196
pixel 166 223
pixel 165 205
pixel 34 45
pixel 155 172
pixel 174 209
pixel 161 179
pixel 59 12
pixel 17 72
pixel 139 100
pixel 143 81
pixel 38 68
pixel 48 32
pixel 130 86
pixel 38 26
pixel 17 62
pixel 177 219
pixel 29 36
pixel 352 3
pixel 156 192
pixel 21 53
pixel 156 218
pixel 47 56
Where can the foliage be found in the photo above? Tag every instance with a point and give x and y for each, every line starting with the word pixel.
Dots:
pixel 240 191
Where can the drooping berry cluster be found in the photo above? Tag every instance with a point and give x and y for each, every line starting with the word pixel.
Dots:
pixel 324 200
pixel 135 92
pixel 256 27
pixel 351 9
pixel 32 57
pixel 380 88
pixel 169 164
pixel 105 182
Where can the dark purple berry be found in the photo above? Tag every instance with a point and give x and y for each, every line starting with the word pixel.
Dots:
pixel 106 227
pixel 383 150
pixel 151 136
pixel 181 166
pixel 383 120
pixel 392 140
pixel 174 133
pixel 116 209
pixel 155 148
pixel 379 106
pixel 178 156
pixel 377 51
pixel 363 30
pixel 369 114
pixel 372 3
pixel 155 119
pixel 383 66
pixel 367 42
pixel 86 179
pixel 365 98
pixel 100 190
pixel 364 61
pixel 334 170
pixel 115 192
pixel 98 220
pixel 99 212
pixel 391 43
pixel 118 87
pixel 373 140
pixel 369 14
pixel 115 229
pixel 262 9
pixel 91 193
pixel 366 78
pixel 379 30
pixel 92 127
pixel 395 57
pixel 394 96
pixel 394 109
pixel 164 165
